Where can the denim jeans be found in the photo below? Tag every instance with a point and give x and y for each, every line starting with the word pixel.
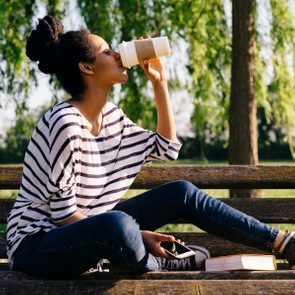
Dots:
pixel 115 235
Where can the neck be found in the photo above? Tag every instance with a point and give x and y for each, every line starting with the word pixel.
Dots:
pixel 91 102
pixel 90 105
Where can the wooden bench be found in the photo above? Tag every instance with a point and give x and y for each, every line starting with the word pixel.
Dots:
pixel 280 210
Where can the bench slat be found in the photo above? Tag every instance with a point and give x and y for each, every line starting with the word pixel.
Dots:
pixel 215 245
pixel 270 210
pixel 117 272
pixel 23 284
pixel 226 176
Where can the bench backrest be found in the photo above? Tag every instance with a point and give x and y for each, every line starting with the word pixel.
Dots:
pixel 279 210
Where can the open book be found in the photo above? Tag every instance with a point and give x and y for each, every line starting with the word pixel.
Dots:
pixel 241 261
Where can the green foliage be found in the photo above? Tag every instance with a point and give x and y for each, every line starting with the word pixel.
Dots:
pixel 210 56
pixel 16 72
pixel 17 138
pixel 14 25
pixel 277 97
pixel 281 90
pixel 200 24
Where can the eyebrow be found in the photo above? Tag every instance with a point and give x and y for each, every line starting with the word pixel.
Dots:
pixel 101 47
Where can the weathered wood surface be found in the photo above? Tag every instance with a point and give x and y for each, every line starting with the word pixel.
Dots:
pixel 238 282
pixel 229 176
pixel 226 176
pixel 24 285
pixel 215 245
pixel 10 176
pixel 168 275
pixel 270 210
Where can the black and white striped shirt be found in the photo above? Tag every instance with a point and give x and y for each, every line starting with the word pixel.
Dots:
pixel 67 169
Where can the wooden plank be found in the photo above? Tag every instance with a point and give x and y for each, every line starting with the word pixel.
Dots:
pixel 167 275
pixel 10 176
pixel 269 210
pixel 246 287
pixel 220 176
pixel 117 274
pixel 227 176
pixel 146 287
pixel 215 245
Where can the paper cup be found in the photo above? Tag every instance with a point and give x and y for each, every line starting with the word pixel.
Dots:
pixel 135 52
pixel 161 46
pixel 128 54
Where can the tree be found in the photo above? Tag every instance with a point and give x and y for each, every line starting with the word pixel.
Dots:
pixel 243 141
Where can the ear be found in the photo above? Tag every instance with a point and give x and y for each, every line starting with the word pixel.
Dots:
pixel 86 68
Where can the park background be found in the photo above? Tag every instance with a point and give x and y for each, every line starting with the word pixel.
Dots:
pixel 231 75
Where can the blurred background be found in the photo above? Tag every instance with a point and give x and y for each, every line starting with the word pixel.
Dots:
pixel 231 73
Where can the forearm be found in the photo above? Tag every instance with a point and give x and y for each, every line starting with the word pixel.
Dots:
pixel 165 118
pixel 75 217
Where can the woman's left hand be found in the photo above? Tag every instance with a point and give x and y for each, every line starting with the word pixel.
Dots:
pixel 154 70
pixel 153 241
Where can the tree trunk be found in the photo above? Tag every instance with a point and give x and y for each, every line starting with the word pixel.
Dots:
pixel 243 141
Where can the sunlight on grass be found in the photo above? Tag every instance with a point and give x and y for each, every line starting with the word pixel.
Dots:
pixel 8 194
pixel 224 193
pixel 177 228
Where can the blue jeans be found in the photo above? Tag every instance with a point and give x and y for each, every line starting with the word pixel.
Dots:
pixel 115 235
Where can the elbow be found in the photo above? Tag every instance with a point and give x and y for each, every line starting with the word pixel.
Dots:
pixel 69 220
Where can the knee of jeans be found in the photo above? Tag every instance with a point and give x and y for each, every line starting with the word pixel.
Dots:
pixel 125 226
pixel 183 186
pixel 183 190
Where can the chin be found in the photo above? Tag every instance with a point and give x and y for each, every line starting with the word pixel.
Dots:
pixel 125 79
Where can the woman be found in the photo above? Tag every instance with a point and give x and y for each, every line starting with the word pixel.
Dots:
pixel 83 156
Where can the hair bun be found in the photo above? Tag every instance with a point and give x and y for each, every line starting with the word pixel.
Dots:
pixel 43 43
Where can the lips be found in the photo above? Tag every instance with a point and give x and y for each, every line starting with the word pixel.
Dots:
pixel 122 67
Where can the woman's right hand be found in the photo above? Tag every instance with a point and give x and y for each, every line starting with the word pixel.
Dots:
pixel 153 241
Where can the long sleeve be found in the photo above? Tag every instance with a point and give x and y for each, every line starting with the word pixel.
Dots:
pixel 155 146
pixel 64 136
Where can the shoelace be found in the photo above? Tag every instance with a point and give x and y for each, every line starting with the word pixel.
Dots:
pixel 181 264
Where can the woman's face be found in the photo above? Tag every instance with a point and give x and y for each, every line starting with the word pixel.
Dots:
pixel 108 66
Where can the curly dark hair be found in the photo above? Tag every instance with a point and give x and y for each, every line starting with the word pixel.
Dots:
pixel 59 53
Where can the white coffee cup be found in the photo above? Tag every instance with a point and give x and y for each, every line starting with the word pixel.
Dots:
pixel 136 51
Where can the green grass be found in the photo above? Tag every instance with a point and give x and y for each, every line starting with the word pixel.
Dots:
pixel 221 162
pixel 8 194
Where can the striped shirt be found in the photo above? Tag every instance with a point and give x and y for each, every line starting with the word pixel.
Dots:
pixel 67 169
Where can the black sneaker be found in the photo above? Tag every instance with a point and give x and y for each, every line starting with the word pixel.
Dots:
pixel 195 262
pixel 288 251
